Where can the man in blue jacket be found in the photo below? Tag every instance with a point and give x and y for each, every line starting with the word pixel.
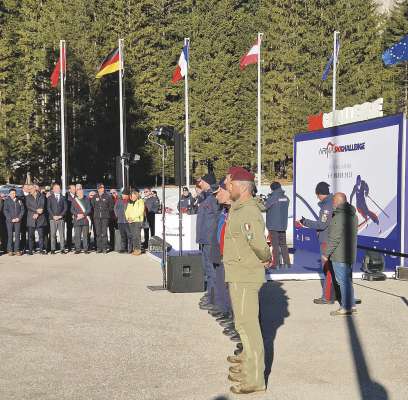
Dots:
pixel 277 206
pixel 207 216
pixel 14 212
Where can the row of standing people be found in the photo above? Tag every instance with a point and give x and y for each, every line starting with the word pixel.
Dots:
pixel 44 213
pixel 235 252
pixel 231 235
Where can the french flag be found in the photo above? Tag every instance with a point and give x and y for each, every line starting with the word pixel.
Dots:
pixel 181 69
pixel 251 57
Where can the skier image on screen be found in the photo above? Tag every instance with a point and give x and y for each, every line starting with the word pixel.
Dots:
pixel 361 190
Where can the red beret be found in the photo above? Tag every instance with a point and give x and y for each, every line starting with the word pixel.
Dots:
pixel 241 174
pixel 231 170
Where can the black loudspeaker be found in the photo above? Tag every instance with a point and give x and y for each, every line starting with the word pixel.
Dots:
pixel 185 274
pixel 179 161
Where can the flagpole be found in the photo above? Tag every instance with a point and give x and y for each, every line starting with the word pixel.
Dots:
pixel 62 106
pixel 187 127
pixel 122 141
pixel 334 74
pixel 259 158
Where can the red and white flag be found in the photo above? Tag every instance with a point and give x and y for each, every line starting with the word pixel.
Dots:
pixel 56 73
pixel 181 69
pixel 251 57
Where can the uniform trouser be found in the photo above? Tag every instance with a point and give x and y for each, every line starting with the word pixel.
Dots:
pixel 150 217
pixel 135 233
pixel 101 232
pixel 209 271
pixel 222 297
pixel 279 246
pixel 245 305
pixel 81 232
pixel 23 235
pixel 31 237
pixel 329 285
pixel 125 237
pixel 60 227
pixel 112 227
pixel 69 232
pixel 13 227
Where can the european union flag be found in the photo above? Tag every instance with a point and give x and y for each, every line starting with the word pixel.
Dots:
pixel 396 53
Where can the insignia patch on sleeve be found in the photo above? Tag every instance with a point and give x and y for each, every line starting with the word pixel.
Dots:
pixel 325 215
pixel 248 231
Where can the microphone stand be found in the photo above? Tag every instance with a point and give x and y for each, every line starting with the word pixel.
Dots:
pixel 164 247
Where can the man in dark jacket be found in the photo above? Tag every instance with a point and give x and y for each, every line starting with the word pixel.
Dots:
pixel 206 221
pixel 123 225
pixel 102 204
pixel 152 205
pixel 3 228
pixel 341 250
pixel 81 210
pixel 222 298
pixel 68 216
pixel 57 208
pixel 277 206
pixel 186 202
pixel 14 212
pixel 36 220
pixel 322 228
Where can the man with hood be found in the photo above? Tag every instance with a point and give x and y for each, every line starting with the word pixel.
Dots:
pixel 341 250
pixel 277 207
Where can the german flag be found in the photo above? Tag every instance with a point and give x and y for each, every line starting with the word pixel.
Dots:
pixel 110 64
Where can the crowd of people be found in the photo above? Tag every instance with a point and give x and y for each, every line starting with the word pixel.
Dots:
pixel 236 253
pixel 45 221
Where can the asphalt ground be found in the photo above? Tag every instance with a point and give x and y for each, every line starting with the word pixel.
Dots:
pixel 88 327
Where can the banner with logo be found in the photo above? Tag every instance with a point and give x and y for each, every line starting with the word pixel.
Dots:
pixel 364 161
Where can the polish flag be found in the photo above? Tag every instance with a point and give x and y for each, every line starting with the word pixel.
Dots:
pixel 181 69
pixel 251 57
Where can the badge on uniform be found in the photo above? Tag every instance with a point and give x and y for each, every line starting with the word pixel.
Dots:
pixel 248 233
pixel 97 199
pixel 325 215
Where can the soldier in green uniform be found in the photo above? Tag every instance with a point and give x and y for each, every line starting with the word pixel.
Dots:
pixel 246 253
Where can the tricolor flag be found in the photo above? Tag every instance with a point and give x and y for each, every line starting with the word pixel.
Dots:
pixel 181 69
pixel 110 64
pixel 56 73
pixel 251 57
pixel 330 62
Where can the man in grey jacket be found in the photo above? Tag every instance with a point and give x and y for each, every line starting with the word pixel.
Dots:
pixel 277 206
pixel 36 220
pixel 57 208
pixel 321 226
pixel 341 250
